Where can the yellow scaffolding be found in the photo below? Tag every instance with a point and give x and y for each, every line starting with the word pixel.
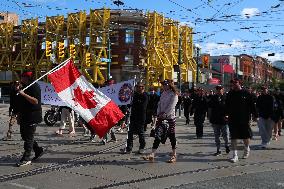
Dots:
pixel 76 35
pixel 171 44
pixel 159 65
pixel 98 47
pixel 6 46
pixel 54 33
pixel 26 58
pixel 89 34
pixel 187 47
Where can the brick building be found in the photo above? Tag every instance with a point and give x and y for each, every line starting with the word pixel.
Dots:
pixel 127 43
pixel 9 17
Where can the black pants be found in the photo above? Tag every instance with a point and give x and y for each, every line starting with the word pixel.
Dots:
pixel 198 122
pixel 170 133
pixel 172 137
pixel 139 130
pixel 27 134
pixel 186 114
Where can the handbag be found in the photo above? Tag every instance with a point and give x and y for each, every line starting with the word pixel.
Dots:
pixel 153 131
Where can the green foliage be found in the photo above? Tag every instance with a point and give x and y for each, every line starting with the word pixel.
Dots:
pixel 281 85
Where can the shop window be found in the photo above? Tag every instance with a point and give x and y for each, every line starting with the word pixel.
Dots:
pixel 129 36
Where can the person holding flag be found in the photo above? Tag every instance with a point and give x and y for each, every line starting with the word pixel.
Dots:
pixel 29 115
pixel 98 110
pixel 137 119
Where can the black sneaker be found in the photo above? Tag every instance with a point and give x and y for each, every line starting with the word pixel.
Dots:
pixel 38 154
pixel 92 138
pixel 23 163
pixel 125 151
pixel 141 151
pixel 227 149
pixel 218 153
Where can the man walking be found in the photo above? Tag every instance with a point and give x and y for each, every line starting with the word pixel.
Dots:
pixel 217 119
pixel 137 119
pixel 239 107
pixel 199 108
pixel 29 115
pixel 264 104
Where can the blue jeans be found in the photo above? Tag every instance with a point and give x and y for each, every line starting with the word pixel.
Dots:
pixel 218 130
pixel 265 130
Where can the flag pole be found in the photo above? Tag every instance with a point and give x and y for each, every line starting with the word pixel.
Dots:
pixel 134 83
pixel 53 69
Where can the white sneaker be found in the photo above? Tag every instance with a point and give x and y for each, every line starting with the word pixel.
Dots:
pixel 234 159
pixel 120 130
pixel 246 154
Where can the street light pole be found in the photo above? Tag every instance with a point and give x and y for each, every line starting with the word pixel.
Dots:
pixel 197 64
pixel 179 71
pixel 109 57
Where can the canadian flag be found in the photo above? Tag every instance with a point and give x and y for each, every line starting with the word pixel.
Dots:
pixel 93 106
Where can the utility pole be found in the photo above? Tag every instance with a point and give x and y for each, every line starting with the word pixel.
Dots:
pixel 197 64
pixel 108 56
pixel 179 70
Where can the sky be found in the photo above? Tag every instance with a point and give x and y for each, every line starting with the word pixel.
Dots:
pixel 221 27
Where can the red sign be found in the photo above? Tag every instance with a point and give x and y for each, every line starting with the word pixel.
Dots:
pixel 214 81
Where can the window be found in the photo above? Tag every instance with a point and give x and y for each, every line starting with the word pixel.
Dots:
pixel 129 36
pixel 128 60
pixel 1 17
pixel 114 40
pixel 143 39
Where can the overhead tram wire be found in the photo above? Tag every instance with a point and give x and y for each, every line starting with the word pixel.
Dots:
pixel 237 22
pixel 221 28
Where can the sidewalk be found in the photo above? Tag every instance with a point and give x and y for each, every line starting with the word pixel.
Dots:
pixel 77 163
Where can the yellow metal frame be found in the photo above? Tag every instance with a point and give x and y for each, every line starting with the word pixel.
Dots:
pixel 98 47
pixel 76 35
pixel 187 47
pixel 162 45
pixel 157 63
pixel 55 27
pixel 26 59
pixel 6 46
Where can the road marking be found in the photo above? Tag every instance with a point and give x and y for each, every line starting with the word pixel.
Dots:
pixel 21 186
pixel 280 184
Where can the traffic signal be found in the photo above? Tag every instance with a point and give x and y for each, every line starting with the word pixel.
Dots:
pixel 205 61
pixel 72 51
pixel 61 49
pixel 48 48
pixel 88 59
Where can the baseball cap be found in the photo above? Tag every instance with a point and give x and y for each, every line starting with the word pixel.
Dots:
pixel 27 74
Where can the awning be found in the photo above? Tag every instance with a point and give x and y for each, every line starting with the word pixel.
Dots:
pixel 214 81
pixel 228 68
pixel 206 70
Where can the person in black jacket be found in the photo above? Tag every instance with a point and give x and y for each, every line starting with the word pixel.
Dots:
pixel 265 108
pixel 217 119
pixel 199 108
pixel 278 114
pixel 137 119
pixel 151 113
pixel 29 115
pixel 12 109
pixel 239 108
pixel 187 103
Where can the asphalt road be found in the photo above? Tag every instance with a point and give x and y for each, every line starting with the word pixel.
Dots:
pixel 75 162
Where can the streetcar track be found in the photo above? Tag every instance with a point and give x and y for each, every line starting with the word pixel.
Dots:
pixel 145 179
pixel 58 166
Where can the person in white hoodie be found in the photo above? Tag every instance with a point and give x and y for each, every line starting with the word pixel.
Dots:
pixel 165 111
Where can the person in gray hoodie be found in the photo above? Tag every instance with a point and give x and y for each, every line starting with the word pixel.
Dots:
pixel 166 111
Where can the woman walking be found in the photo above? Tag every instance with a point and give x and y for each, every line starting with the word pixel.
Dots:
pixel 165 111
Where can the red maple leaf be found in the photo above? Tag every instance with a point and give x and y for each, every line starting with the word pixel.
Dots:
pixel 85 99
